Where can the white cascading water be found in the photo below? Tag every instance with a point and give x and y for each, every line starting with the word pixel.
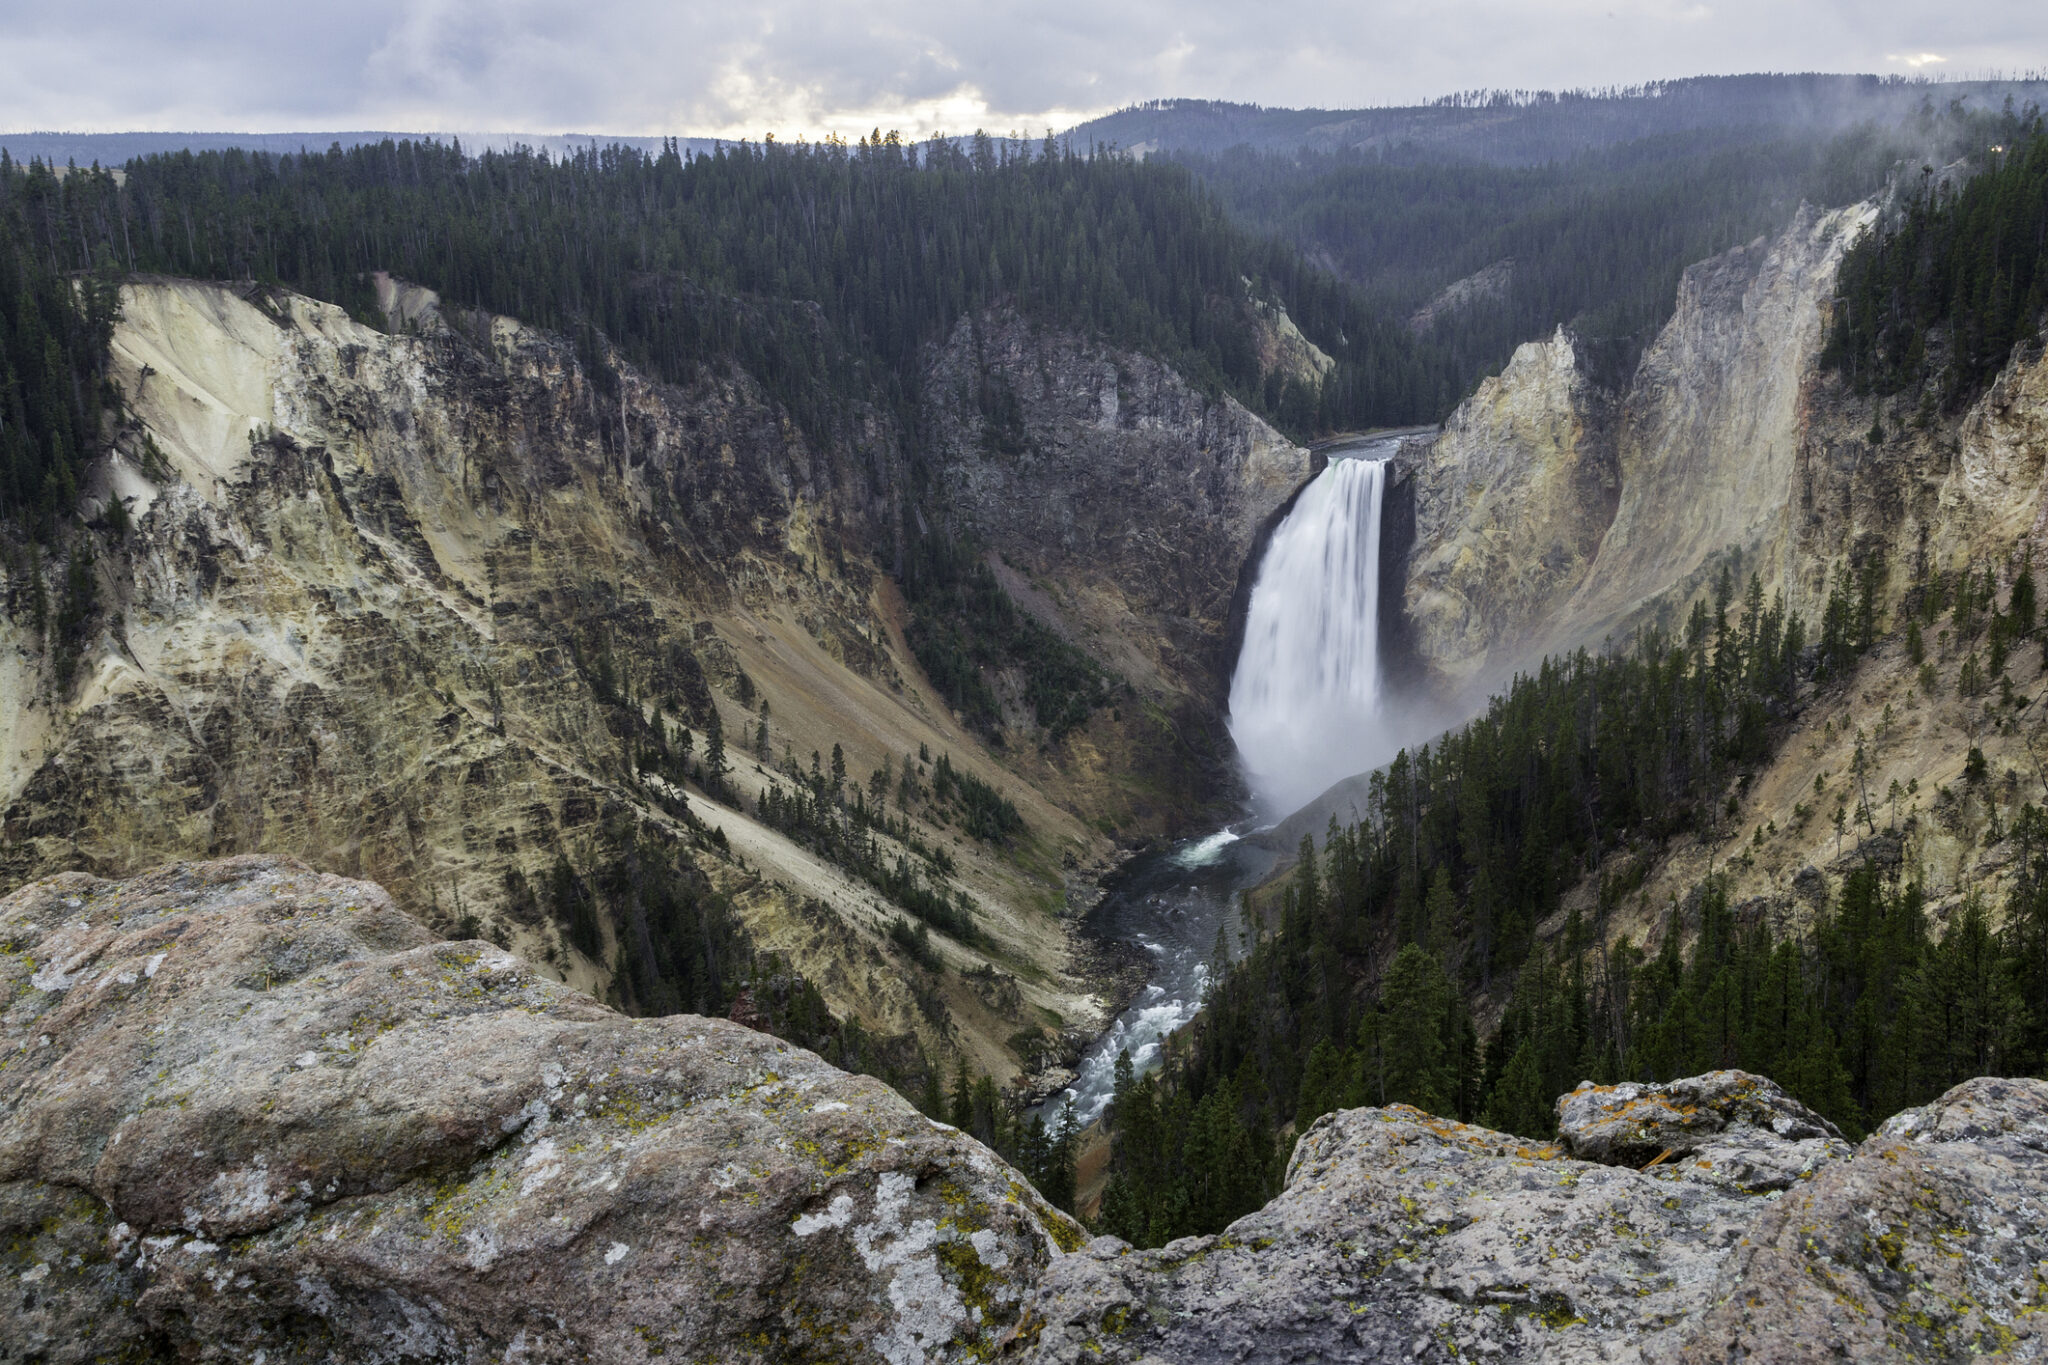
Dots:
pixel 1305 699
pixel 1305 710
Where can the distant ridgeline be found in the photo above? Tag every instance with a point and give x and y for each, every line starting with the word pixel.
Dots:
pixel 820 269
pixel 1594 239
pixel 1934 301
pixel 1537 127
pixel 1354 991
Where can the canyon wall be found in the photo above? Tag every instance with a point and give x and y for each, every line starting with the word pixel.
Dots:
pixel 429 602
pixel 1108 475
pixel 1554 514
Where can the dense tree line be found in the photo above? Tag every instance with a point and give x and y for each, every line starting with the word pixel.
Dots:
pixel 1044 1152
pixel 1469 844
pixel 1935 300
pixel 1356 991
pixel 1542 127
pixel 817 814
pixel 821 269
pixel 57 315
pixel 1595 242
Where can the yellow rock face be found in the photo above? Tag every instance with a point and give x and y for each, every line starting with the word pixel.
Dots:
pixel 375 575
pixel 1552 513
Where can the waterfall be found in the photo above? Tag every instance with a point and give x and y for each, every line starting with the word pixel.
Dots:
pixel 1305 699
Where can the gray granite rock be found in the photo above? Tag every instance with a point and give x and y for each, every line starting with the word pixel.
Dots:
pixel 1930 1245
pixel 1404 1236
pixel 1728 1126
pixel 251 1112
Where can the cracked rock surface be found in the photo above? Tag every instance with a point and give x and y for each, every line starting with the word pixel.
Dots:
pixel 1401 1236
pixel 1731 1126
pixel 253 1112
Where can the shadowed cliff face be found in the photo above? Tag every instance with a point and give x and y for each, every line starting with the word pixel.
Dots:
pixel 1138 496
pixel 422 606
pixel 1120 507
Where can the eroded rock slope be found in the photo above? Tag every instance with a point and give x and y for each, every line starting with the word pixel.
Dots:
pixel 1555 512
pixel 418 603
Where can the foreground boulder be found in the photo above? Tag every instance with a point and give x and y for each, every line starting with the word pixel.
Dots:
pixel 1931 1245
pixel 1732 1127
pixel 251 1112
pixel 1401 1236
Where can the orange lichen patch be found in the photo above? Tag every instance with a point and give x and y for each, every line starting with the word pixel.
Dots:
pixel 1484 1140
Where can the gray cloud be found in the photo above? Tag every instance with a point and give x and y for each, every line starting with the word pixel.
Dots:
pixel 801 67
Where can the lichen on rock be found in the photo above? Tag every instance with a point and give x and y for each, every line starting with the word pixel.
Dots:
pixel 249 1110
pixel 314 1132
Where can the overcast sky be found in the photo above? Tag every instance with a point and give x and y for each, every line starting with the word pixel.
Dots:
pixel 734 68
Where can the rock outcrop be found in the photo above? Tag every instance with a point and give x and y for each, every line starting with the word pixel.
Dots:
pixel 1553 512
pixel 1932 1244
pixel 252 1112
pixel 1738 1129
pixel 249 1111
pixel 1401 1236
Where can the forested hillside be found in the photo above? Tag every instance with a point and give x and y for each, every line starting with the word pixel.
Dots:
pixel 1355 988
pixel 1594 241
pixel 820 269
pixel 53 340
pixel 1935 301
pixel 1539 127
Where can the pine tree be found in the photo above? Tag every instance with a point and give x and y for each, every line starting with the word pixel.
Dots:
pixel 1521 1103
pixel 1415 998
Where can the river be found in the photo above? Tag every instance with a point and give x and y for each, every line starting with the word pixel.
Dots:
pixel 1315 619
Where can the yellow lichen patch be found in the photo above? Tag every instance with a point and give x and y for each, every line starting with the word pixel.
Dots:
pixel 456 1201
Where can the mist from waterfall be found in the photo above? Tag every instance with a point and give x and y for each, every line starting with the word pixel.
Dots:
pixel 1305 701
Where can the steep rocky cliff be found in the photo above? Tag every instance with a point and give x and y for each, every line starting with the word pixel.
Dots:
pixel 434 604
pixel 1553 512
pixel 1107 478
pixel 251 1111
pixel 1511 501
pixel 1935 497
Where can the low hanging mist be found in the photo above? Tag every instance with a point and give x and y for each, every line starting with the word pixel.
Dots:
pixel 1306 705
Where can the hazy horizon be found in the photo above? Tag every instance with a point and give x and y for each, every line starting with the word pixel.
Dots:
pixel 626 68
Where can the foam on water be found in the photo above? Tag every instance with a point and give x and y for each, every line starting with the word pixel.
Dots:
pixel 1206 852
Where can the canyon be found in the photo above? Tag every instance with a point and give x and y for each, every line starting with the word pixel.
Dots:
pixel 414 633
pixel 412 604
